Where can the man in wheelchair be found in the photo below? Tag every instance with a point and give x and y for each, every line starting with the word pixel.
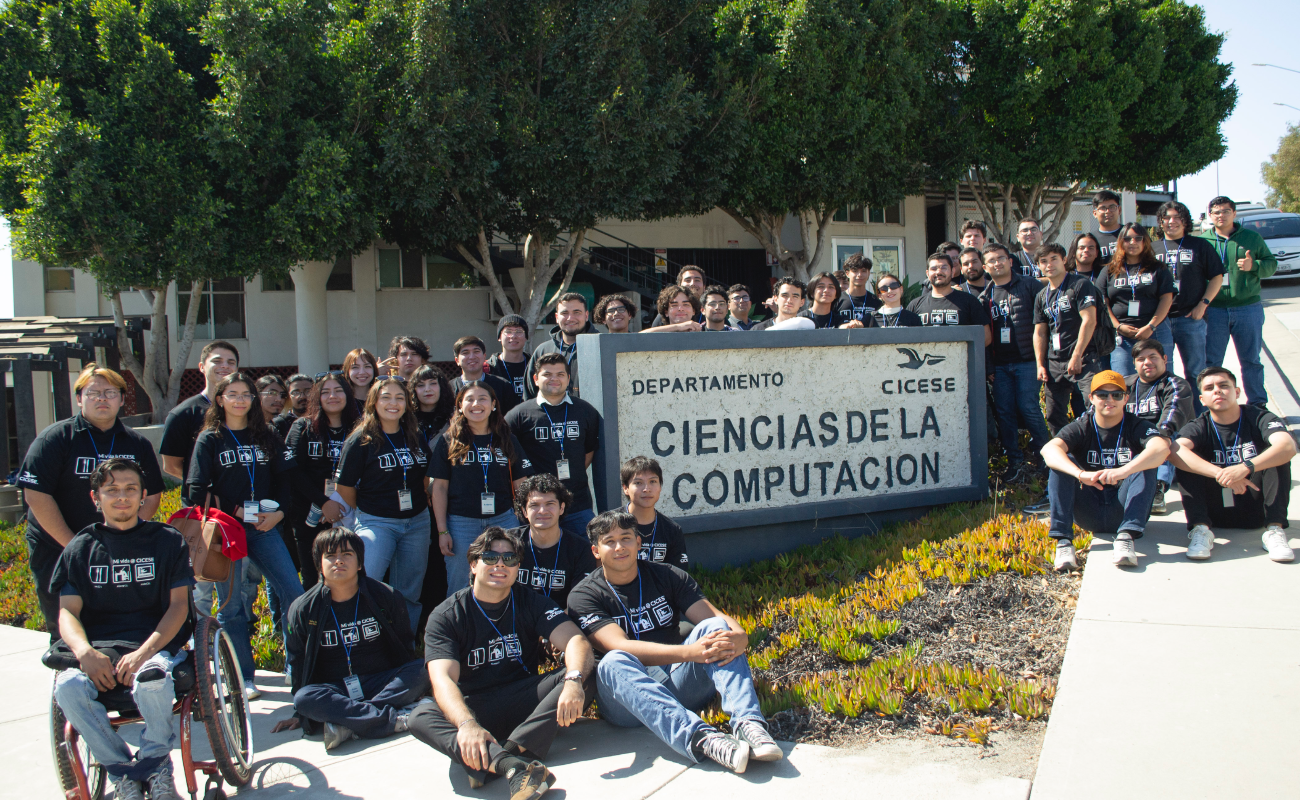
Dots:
pixel 123 587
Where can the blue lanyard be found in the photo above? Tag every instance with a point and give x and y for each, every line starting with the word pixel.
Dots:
pixel 897 317
pixel 513 628
pixel 99 456
pixel 568 351
pixel 640 601
pixel 1178 251
pixel 853 304
pixel 252 485
pixel 1101 451
pixel 398 456
pixel 653 531
pixel 1236 439
pixel 544 405
pixel 1223 254
pixel 1053 310
pixel 555 568
pixel 343 640
pixel 486 465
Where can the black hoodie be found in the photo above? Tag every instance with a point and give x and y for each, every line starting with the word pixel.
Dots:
pixel 557 345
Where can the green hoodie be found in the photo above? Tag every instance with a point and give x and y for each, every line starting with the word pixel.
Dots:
pixel 1241 288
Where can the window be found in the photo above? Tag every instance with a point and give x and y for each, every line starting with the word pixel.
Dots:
pixel 891 215
pixel 401 269
pixel 280 284
pixel 221 310
pixel 60 279
pixel 886 254
pixel 444 273
pixel 340 279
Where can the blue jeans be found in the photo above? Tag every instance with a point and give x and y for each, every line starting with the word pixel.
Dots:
pixel 265 549
pixel 464 530
pixel 399 547
pixel 576 522
pixel 1165 474
pixel 1015 393
pixel 1189 337
pixel 153 696
pixel 665 699
pixel 1115 509
pixel 1121 358
pixel 386 693
pixel 1245 324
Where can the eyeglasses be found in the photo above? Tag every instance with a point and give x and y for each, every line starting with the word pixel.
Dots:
pixel 612 311
pixel 1105 395
pixel 1108 207
pixel 889 287
pixel 740 298
pixel 272 393
pixel 247 398
pixel 107 394
pixel 1219 212
pixel 393 379
pixel 716 304
pixel 493 557
pixel 1030 228
pixel 331 374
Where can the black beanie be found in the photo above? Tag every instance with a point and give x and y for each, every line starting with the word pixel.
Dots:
pixel 514 320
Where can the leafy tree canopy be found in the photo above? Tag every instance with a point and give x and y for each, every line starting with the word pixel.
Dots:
pixel 1282 172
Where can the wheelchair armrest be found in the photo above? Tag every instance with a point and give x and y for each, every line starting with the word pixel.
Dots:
pixel 60 656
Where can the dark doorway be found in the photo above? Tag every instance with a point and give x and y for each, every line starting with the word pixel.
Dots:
pixel 936 227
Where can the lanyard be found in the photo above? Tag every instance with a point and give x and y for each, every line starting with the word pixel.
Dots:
pixel 506 370
pixel 1144 397
pixel 486 465
pixel 398 456
pixel 568 351
pixel 329 442
pixel 640 600
pixel 1223 253
pixel 1053 311
pixel 653 531
pixel 99 456
pixel 1178 251
pixel 252 492
pixel 853 304
pixel 554 569
pixel 513 629
pixel 1236 438
pixel 896 317
pixel 343 640
pixel 552 421
pixel 1101 451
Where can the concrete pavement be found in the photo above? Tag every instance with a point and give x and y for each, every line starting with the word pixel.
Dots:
pixel 1179 678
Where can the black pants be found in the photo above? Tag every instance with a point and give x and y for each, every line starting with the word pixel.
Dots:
pixel 1203 500
pixel 519 715
pixel 1065 393
pixel 42 555
pixel 300 548
pixel 434 589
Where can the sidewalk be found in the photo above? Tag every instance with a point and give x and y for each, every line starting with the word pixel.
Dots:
pixel 1179 678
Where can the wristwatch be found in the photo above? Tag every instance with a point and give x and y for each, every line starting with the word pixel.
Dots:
pixel 1206 302
pixel 1251 466
pixel 573 675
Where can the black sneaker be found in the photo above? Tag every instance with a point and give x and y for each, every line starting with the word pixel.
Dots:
pixel 726 750
pixel 1158 504
pixel 530 782
pixel 1041 508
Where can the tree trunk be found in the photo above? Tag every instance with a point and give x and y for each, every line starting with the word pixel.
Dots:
pixel 539 268
pixel 765 226
pixel 161 386
pixel 995 202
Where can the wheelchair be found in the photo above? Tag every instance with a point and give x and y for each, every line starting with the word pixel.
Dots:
pixel 209 688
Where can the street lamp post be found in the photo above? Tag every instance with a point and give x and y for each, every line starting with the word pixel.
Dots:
pixel 1275 66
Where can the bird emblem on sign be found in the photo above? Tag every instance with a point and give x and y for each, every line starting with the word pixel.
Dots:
pixel 916 360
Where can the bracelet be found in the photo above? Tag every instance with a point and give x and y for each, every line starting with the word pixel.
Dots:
pixel 444 533
pixel 466 722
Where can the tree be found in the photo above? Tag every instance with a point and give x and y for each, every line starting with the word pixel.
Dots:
pixel 1282 172
pixel 1061 98
pixel 834 94
pixel 531 121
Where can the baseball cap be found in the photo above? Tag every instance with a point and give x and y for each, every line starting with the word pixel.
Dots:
pixel 1107 376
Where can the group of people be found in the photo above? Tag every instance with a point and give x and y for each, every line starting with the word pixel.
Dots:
pixel 383 499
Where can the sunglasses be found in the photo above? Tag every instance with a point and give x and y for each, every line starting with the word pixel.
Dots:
pixel 889 287
pixel 492 558
pixel 320 376
pixel 1105 395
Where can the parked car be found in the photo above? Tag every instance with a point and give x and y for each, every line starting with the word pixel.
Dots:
pixel 1281 230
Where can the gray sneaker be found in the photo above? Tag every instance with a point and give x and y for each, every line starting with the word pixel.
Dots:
pixel 728 751
pixel 1065 556
pixel 127 789
pixel 336 735
pixel 761 744
pixel 161 784
pixel 1125 552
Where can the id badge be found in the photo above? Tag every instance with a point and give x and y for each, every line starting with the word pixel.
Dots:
pixel 1006 336
pixel 1228 499
pixel 404 500
pixel 1134 308
pixel 1056 343
pixel 251 510
pixel 330 486
pixel 1178 285
pixel 488 504
pixel 562 469
pixel 354 687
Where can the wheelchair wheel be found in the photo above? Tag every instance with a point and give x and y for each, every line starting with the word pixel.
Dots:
pixel 220 687
pixel 96 776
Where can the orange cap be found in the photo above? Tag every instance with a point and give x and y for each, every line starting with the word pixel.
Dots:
pixel 1107 376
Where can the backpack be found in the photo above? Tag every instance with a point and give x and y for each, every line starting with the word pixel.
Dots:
pixel 1103 337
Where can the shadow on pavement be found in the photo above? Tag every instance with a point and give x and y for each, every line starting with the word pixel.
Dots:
pixel 271 777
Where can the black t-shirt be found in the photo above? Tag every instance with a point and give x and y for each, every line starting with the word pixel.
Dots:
pixel 648 609
pixel 555 570
pixel 181 430
pixel 1059 310
pixel 843 312
pixel 859 308
pixel 495 644
pixel 382 468
pixel 514 373
pixel 1149 287
pixel 282 423
pixel 1106 246
pixel 1192 262
pixel 504 390
pixel 466 482
pixel 544 430
pixel 1166 403
pixel 223 462
pixel 1026 265
pixel 350 630
pixel 124 579
pixel 1082 436
pixel 663 542
pixel 1225 445
pixel 316 458
pixel 60 461
pixel 955 308
pixel 902 319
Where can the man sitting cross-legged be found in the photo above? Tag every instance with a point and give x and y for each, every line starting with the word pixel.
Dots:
pixel 348 646
pixel 648 675
pixel 125 580
pixel 1234 468
pixel 494 714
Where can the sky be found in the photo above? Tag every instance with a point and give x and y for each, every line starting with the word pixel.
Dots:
pixel 1258 31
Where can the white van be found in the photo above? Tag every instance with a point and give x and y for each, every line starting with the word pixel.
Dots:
pixel 1281 231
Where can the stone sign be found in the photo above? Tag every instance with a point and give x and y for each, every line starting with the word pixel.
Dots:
pixel 762 427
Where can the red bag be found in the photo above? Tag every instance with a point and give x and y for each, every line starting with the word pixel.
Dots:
pixel 214 537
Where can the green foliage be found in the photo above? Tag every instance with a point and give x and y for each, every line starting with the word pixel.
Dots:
pixel 1282 172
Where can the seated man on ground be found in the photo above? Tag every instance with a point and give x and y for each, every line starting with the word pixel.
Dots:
pixel 1103 473
pixel 1162 398
pixel 494 714
pixel 648 674
pixel 348 647
pixel 1234 468
pixel 552 560
pixel 124 583
pixel 662 540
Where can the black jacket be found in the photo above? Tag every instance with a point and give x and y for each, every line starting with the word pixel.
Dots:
pixel 1019 293
pixel 303 625
pixel 556 345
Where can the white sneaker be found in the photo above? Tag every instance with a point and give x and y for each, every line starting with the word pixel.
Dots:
pixel 1065 556
pixel 1125 553
pixel 251 692
pixel 1275 543
pixel 1202 543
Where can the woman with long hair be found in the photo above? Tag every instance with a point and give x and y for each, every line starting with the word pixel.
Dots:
pixel 1139 290
pixel 1083 255
pixel 381 473
pixel 360 368
pixel 475 466
pixel 433 401
pixel 239 461
pixel 315 442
